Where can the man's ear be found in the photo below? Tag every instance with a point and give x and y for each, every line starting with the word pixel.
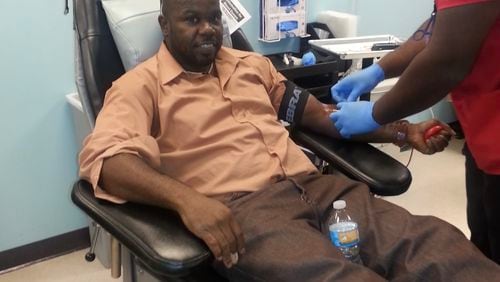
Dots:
pixel 162 21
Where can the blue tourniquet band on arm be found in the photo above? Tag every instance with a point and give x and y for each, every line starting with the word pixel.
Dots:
pixel 293 103
pixel 353 118
pixel 352 86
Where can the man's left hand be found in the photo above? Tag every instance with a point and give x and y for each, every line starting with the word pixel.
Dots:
pixel 436 143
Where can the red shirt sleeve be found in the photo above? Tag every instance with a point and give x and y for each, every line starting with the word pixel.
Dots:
pixel 444 4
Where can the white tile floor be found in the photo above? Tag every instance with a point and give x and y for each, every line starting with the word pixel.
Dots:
pixel 68 268
pixel 437 189
pixel 438 185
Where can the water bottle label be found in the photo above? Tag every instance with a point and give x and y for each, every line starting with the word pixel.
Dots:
pixel 345 238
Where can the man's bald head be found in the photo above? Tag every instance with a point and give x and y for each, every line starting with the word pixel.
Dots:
pixel 167 3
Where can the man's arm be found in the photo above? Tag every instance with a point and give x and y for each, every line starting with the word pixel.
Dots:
pixel 129 177
pixel 316 118
pixel 120 157
pixel 457 38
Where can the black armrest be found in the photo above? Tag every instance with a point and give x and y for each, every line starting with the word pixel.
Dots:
pixel 156 236
pixel 360 161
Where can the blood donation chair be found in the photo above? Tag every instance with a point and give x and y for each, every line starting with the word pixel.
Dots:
pixel 152 244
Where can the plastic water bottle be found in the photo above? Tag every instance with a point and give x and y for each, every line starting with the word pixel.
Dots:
pixel 344 232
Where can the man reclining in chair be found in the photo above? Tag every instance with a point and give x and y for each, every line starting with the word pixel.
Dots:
pixel 196 129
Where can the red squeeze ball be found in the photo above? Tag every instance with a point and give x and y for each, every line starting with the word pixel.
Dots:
pixel 432 131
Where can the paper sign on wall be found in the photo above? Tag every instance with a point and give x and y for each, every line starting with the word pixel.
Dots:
pixel 236 14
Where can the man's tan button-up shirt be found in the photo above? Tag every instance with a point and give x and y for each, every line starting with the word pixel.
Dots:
pixel 216 133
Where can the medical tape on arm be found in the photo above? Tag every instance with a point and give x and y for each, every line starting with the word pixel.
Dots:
pixel 293 103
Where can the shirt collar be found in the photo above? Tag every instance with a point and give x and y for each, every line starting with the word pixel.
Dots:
pixel 168 68
pixel 225 63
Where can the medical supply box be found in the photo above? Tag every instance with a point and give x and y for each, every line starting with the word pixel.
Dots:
pixel 282 19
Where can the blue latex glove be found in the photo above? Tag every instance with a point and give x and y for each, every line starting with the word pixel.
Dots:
pixel 308 59
pixel 354 85
pixel 353 118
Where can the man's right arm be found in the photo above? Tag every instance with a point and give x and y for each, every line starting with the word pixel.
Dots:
pixel 129 177
pixel 121 159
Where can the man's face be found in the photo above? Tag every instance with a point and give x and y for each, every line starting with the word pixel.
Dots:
pixel 192 30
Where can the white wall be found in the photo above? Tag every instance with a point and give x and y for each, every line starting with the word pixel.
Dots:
pixel 397 17
pixel 37 149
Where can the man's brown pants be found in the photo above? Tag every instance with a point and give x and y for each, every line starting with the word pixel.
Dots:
pixel 286 238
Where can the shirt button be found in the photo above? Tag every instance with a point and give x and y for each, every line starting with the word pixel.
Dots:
pixel 244 114
pixel 271 150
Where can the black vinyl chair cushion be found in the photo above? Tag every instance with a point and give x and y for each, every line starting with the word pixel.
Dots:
pixel 156 236
pixel 240 41
pixel 100 58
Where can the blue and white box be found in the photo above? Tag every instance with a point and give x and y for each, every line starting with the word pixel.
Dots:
pixel 282 19
pixel 279 26
pixel 284 6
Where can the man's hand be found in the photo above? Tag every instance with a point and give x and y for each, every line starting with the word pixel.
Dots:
pixel 129 177
pixel 354 85
pixel 212 221
pixel 436 143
